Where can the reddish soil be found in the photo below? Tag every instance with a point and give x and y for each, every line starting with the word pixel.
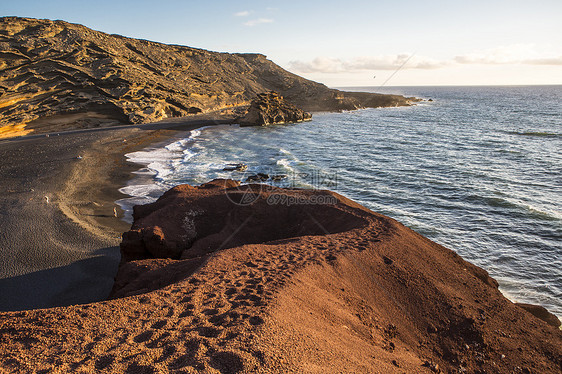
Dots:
pixel 209 284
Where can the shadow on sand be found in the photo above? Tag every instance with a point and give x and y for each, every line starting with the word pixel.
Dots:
pixel 80 282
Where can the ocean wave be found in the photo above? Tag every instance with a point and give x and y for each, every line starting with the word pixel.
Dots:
pixel 162 162
pixel 286 165
pixel 141 194
pixel 526 208
pixel 544 213
pixel 188 153
pixel 161 166
pixel 541 134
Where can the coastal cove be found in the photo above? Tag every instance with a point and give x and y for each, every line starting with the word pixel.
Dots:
pixel 295 187
pixel 337 287
pixel 470 170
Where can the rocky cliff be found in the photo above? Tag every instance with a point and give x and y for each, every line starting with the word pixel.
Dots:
pixel 269 108
pixel 56 75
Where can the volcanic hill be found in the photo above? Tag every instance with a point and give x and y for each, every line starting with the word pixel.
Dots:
pixel 55 75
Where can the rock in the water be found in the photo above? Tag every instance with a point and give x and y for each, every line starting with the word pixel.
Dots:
pixel 236 167
pixel 259 177
pixel 271 109
pixel 278 177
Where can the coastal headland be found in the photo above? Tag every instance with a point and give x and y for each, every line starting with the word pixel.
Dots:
pixel 56 76
pixel 222 277
pixel 213 281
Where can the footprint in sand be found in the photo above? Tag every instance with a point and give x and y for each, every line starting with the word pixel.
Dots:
pixel 159 342
pixel 167 352
pixel 227 362
pixel 255 320
pixel 144 336
pixel 159 324
pixel 208 332
pixel 210 312
pixel 104 361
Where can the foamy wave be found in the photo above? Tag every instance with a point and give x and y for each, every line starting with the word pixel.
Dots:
pixel 141 194
pixel 142 190
pixel 544 212
pixel 159 165
pixel 178 146
pixel 157 162
pixel 286 164
pixel 195 134
pixel 162 162
pixel 188 153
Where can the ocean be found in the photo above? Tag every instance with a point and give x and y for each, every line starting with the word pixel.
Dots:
pixel 478 170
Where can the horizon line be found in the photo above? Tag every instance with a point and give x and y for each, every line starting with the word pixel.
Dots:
pixel 455 85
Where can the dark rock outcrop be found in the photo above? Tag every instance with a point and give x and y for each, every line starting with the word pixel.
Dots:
pixel 270 108
pixel 188 222
pixel 259 177
pixel 236 167
pixel 55 75
pixel 541 313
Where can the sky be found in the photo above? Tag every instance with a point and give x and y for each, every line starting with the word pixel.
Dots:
pixel 347 43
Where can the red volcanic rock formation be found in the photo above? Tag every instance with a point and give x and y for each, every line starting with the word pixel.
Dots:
pixel 189 221
pixel 262 279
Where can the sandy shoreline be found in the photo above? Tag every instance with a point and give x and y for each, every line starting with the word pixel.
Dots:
pixel 64 250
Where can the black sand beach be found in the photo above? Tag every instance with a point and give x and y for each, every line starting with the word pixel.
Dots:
pixel 58 234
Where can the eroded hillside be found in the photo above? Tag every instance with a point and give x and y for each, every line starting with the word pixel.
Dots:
pixel 56 75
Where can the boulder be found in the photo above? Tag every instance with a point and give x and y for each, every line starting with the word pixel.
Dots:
pixel 270 108
pixel 259 177
pixel 236 167
pixel 278 177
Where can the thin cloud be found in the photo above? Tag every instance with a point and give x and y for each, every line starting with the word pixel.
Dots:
pixel 243 13
pixel 525 54
pixel 258 21
pixel 491 60
pixel 390 62
pixel 318 65
pixel 545 61
pixel 507 55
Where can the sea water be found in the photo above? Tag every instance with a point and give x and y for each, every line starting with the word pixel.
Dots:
pixel 478 170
